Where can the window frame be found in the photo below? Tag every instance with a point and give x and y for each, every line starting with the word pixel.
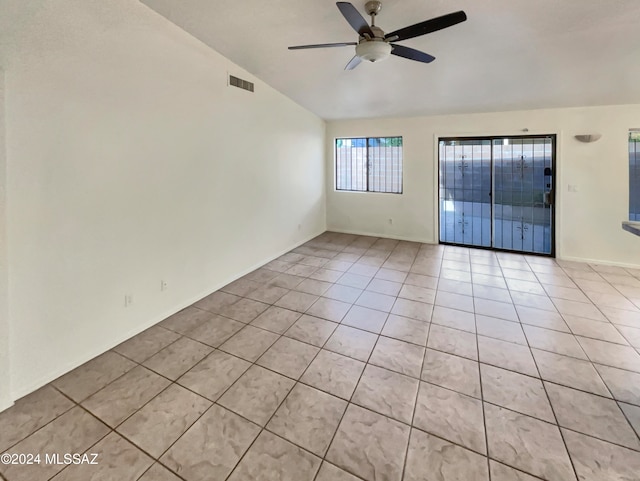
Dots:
pixel 633 211
pixel 367 190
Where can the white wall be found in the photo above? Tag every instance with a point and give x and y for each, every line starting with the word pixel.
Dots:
pixel 5 390
pixel 131 161
pixel 588 224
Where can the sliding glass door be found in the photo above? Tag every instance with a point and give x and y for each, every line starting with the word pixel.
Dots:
pixel 497 192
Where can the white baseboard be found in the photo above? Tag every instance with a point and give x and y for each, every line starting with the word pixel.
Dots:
pixel 599 261
pixel 384 236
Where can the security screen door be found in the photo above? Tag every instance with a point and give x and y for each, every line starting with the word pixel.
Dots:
pixel 497 192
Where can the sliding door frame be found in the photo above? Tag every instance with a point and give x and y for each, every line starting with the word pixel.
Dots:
pixel 492 138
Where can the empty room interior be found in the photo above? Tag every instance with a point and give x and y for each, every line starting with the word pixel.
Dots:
pixel 319 241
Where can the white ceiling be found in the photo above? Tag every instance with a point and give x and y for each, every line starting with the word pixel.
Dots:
pixel 509 54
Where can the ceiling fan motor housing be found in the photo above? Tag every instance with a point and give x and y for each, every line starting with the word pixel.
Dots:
pixel 373 50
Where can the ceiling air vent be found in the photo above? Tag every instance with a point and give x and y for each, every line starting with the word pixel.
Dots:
pixel 242 84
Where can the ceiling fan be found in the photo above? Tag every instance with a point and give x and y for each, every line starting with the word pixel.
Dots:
pixel 374 45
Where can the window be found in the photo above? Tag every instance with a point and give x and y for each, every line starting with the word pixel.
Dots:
pixel 372 164
pixel 634 174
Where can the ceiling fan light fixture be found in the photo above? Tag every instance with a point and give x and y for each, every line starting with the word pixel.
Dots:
pixel 373 50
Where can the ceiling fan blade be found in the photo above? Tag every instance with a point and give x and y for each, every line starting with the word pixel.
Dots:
pixel 323 45
pixel 427 26
pixel 354 18
pixel 411 53
pixel 353 63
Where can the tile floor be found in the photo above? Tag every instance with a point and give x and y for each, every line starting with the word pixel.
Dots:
pixel 359 358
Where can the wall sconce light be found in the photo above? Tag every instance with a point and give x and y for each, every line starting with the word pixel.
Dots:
pixel 588 137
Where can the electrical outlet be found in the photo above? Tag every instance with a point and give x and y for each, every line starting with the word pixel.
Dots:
pixel 164 285
pixel 573 188
pixel 390 221
pixel 128 300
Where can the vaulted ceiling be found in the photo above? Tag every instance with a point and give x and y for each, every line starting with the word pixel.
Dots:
pixel 508 55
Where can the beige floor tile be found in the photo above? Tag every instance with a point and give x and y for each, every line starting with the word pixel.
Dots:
pixel 374 300
pixel 542 318
pixel 452 372
pixel 516 392
pixel 308 418
pixel 632 414
pixel 164 419
pixel 527 443
pixel 501 310
pixel 214 375
pixel 387 392
pixel 500 329
pixel 454 301
pixel 624 385
pixel 450 415
pixel 580 309
pixel 268 294
pixel 216 301
pixel 329 309
pixel 453 341
pixel 343 293
pixel 185 320
pixel 276 319
pixel 288 357
pixel 333 373
pixel 366 319
pixel 31 413
pixel 569 371
pixel 241 287
pixel 593 415
pixel 288 281
pixel 525 299
pixel 311 330
pixel 210 449
pixel 554 341
pixel 405 329
pixel 412 309
pixel 500 472
pixel 354 280
pixel 177 358
pixel 93 375
pixel 313 286
pixel 398 356
pixel 257 394
pixel 111 451
pixel 421 281
pixel 454 318
pixel 417 293
pixel 329 472
pixel 631 334
pixel 296 301
pixel 215 331
pixel 491 293
pixel 383 286
pixel 369 445
pixel 609 354
pixel 147 343
pixel 120 399
pixel 597 460
pixel 352 342
pixel 603 331
pixel 249 343
pixel 507 355
pixel 272 457
pixel 73 432
pixel 432 459
pixel 157 472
